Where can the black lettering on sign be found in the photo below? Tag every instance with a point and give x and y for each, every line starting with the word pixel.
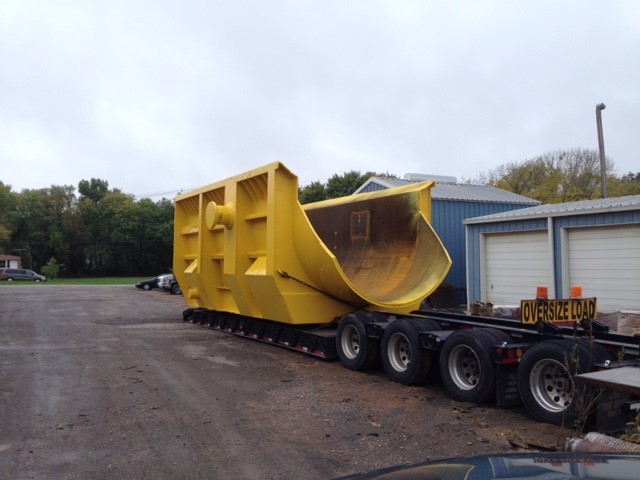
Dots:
pixel 558 311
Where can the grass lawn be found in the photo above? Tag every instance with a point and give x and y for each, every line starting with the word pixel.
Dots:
pixel 97 281
pixel 84 281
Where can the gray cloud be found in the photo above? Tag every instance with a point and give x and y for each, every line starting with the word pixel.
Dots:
pixel 158 96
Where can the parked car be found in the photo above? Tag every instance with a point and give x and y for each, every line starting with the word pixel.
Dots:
pixel 11 274
pixel 162 278
pixel 170 284
pixel 148 284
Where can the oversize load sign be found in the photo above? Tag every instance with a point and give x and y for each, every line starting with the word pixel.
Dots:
pixel 557 311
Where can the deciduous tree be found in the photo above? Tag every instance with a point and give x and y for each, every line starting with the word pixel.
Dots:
pixel 560 176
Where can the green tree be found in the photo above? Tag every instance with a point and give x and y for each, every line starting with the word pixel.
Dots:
pixel 51 269
pixel 102 232
pixel 60 205
pixel 93 189
pixel 346 184
pixel 5 238
pixel 560 176
pixel 154 235
pixel 314 192
pixel 93 222
pixel 30 232
pixel 118 212
pixel 337 186
pixel 628 184
pixel 8 202
pixel 110 225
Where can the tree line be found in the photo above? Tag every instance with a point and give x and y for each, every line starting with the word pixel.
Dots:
pixel 554 177
pixel 97 231
pixel 562 176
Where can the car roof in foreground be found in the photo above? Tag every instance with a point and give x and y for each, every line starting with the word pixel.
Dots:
pixel 556 465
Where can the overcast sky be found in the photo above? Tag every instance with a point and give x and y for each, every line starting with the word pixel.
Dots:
pixel 163 96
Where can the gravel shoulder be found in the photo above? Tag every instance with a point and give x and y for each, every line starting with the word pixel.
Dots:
pixel 107 381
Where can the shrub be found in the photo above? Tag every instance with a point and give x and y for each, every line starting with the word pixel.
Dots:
pixel 51 269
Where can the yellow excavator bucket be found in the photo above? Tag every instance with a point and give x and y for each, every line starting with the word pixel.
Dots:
pixel 246 245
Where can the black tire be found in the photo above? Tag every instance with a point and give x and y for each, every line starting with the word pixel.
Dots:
pixel 355 350
pixel 403 358
pixel 175 289
pixel 595 352
pixel 496 336
pixel 427 324
pixel 545 378
pixel 466 365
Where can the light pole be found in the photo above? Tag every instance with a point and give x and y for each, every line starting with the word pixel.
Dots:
pixel 603 168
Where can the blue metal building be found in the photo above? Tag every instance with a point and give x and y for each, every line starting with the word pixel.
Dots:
pixel 451 204
pixel 594 244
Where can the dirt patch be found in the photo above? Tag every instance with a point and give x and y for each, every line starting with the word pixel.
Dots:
pixel 104 382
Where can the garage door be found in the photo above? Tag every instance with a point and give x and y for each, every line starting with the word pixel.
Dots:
pixel 515 265
pixel 606 263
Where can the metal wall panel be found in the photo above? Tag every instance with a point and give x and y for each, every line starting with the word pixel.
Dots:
pixel 605 261
pixel 448 221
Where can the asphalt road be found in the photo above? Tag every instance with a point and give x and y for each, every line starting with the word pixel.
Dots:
pixel 108 382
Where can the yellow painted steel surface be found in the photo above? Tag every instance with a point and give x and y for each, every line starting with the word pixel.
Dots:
pixel 246 245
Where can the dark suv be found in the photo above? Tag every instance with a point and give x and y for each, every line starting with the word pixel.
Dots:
pixel 11 274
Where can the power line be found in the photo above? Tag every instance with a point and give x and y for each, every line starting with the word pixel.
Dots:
pixel 158 194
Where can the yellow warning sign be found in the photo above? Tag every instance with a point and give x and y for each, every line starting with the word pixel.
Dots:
pixel 557 311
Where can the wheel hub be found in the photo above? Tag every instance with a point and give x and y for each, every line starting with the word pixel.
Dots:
pixel 350 342
pixel 399 352
pixel 552 385
pixel 464 366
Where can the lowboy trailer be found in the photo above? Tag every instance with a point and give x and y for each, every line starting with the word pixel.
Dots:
pixel 345 279
pixel 479 359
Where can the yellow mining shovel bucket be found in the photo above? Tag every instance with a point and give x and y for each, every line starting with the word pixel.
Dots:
pixel 246 245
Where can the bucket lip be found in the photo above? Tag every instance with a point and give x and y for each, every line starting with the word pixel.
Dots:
pixel 361 197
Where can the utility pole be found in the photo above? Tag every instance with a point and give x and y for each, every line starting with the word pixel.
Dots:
pixel 603 167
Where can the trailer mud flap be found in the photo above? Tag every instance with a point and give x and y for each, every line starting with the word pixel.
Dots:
pixel 507 393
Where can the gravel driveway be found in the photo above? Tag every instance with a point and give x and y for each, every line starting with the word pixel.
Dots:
pixel 108 382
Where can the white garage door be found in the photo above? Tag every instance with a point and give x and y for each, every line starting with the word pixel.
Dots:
pixel 606 263
pixel 515 265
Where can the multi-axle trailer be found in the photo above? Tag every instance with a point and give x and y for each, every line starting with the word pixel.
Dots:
pixel 346 278
pixel 479 359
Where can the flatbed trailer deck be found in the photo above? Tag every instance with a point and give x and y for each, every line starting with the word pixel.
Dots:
pixel 478 357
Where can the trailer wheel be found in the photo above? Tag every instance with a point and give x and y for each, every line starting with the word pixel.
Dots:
pixel 427 324
pixel 403 358
pixel 355 350
pixel 545 378
pixel 466 365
